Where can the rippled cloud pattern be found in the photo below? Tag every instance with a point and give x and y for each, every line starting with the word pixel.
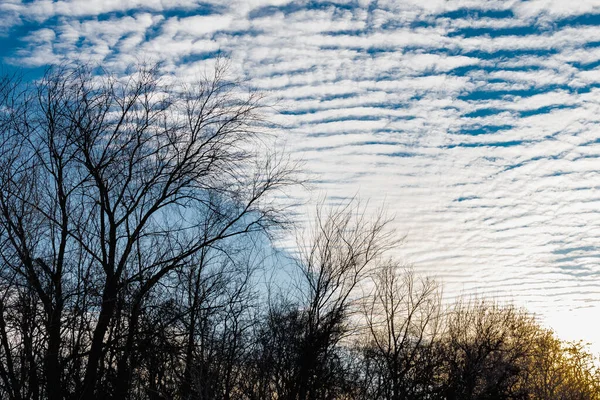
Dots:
pixel 476 121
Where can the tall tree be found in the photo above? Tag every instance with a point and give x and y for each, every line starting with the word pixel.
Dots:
pixel 298 344
pixel 108 187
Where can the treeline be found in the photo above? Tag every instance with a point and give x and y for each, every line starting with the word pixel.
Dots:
pixel 134 215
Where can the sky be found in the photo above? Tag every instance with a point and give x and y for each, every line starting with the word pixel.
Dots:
pixel 475 121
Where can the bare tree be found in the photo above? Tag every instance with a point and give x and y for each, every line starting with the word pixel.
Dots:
pixel 344 245
pixel 108 187
pixel 298 344
pixel 485 350
pixel 404 322
pixel 561 370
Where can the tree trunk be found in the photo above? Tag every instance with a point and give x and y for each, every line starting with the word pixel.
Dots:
pixel 106 313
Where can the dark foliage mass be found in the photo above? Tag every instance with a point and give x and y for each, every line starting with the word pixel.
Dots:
pixel 133 222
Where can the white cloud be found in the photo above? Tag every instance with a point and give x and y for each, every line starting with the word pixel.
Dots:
pixel 555 8
pixel 199 26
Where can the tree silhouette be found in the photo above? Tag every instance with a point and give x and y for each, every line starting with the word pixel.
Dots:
pixel 109 188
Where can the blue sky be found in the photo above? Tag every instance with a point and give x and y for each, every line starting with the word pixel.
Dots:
pixel 477 122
